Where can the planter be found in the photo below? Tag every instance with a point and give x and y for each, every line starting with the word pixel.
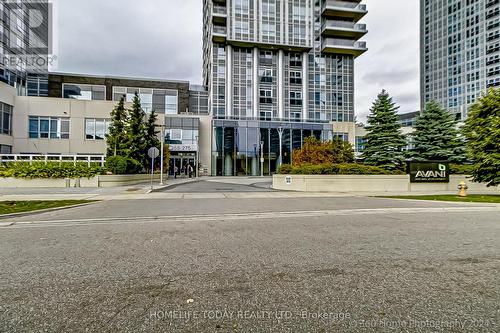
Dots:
pixel 98 181
pixel 125 180
pixel 48 183
pixel 368 183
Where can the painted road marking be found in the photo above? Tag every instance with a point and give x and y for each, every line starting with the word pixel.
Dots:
pixel 245 216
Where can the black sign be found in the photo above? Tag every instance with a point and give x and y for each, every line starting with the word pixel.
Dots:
pixel 429 172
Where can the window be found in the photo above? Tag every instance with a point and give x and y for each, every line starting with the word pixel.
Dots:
pixel 295 98
pixel 295 60
pixel 171 104
pixel 266 75
pixel 296 77
pixel 5 119
pixel 84 92
pixel 160 100
pixel 48 127
pixel 96 129
pixel 269 29
pixel 299 13
pixel 341 136
pixel 268 8
pixel 38 86
pixel 266 96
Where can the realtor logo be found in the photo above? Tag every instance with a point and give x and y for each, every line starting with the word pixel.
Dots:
pixel 28 25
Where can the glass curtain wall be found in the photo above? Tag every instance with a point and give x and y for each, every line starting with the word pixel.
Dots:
pixel 237 150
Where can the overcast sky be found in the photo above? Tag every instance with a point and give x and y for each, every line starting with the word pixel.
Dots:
pixel 163 39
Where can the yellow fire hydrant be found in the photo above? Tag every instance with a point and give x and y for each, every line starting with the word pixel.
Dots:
pixel 462 187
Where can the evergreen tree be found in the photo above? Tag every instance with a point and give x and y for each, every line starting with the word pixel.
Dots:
pixel 151 134
pixel 136 144
pixel 117 137
pixel 436 136
pixel 482 130
pixel 384 140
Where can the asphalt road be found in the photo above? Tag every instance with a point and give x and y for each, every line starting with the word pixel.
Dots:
pixel 253 265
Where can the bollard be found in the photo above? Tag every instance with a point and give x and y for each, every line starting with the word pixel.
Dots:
pixel 77 182
pixel 68 182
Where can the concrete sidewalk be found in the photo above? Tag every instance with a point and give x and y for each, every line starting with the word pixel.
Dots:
pixel 125 192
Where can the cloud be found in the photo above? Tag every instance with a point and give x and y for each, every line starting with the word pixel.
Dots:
pixel 397 75
pixel 158 39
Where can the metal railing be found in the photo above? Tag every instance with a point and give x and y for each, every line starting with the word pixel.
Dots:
pixel 343 24
pixel 32 158
pixel 271 119
pixel 220 10
pixel 220 30
pixel 343 43
pixel 347 5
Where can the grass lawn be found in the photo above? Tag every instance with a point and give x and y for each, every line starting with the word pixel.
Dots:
pixel 11 207
pixel 493 198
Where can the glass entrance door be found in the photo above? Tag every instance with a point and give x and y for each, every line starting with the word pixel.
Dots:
pixel 179 165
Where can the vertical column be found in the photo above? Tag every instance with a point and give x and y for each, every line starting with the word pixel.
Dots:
pixel 257 21
pixel 305 85
pixel 282 23
pixel 287 19
pixel 256 82
pixel 281 82
pixel 229 80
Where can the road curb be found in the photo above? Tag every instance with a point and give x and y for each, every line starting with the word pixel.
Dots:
pixel 161 188
pixel 36 212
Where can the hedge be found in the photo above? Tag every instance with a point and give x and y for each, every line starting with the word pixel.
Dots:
pixel 53 170
pixel 121 165
pixel 335 169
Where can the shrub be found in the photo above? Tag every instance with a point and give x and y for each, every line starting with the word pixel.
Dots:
pixel 335 169
pixel 121 165
pixel 54 170
pixel 316 152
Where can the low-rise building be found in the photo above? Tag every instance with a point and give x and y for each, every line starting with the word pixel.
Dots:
pixel 73 116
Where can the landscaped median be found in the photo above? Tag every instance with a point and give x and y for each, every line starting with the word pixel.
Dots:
pixel 452 198
pixel 17 207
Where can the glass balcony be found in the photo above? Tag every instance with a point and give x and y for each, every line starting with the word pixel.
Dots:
pixel 333 28
pixel 343 46
pixel 346 9
pixel 219 14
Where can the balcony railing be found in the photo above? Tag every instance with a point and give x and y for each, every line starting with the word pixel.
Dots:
pixel 344 43
pixel 344 25
pixel 220 10
pixel 344 46
pixel 345 5
pixel 220 30
pixel 350 10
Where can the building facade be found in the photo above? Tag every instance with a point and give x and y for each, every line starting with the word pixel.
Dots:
pixel 460 51
pixel 73 116
pixel 278 71
pixel 18 51
pixel 275 72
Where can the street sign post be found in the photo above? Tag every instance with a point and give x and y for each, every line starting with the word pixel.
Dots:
pixel 153 153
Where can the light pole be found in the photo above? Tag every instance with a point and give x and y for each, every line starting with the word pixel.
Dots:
pixel 262 158
pixel 280 133
pixel 197 158
pixel 162 153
